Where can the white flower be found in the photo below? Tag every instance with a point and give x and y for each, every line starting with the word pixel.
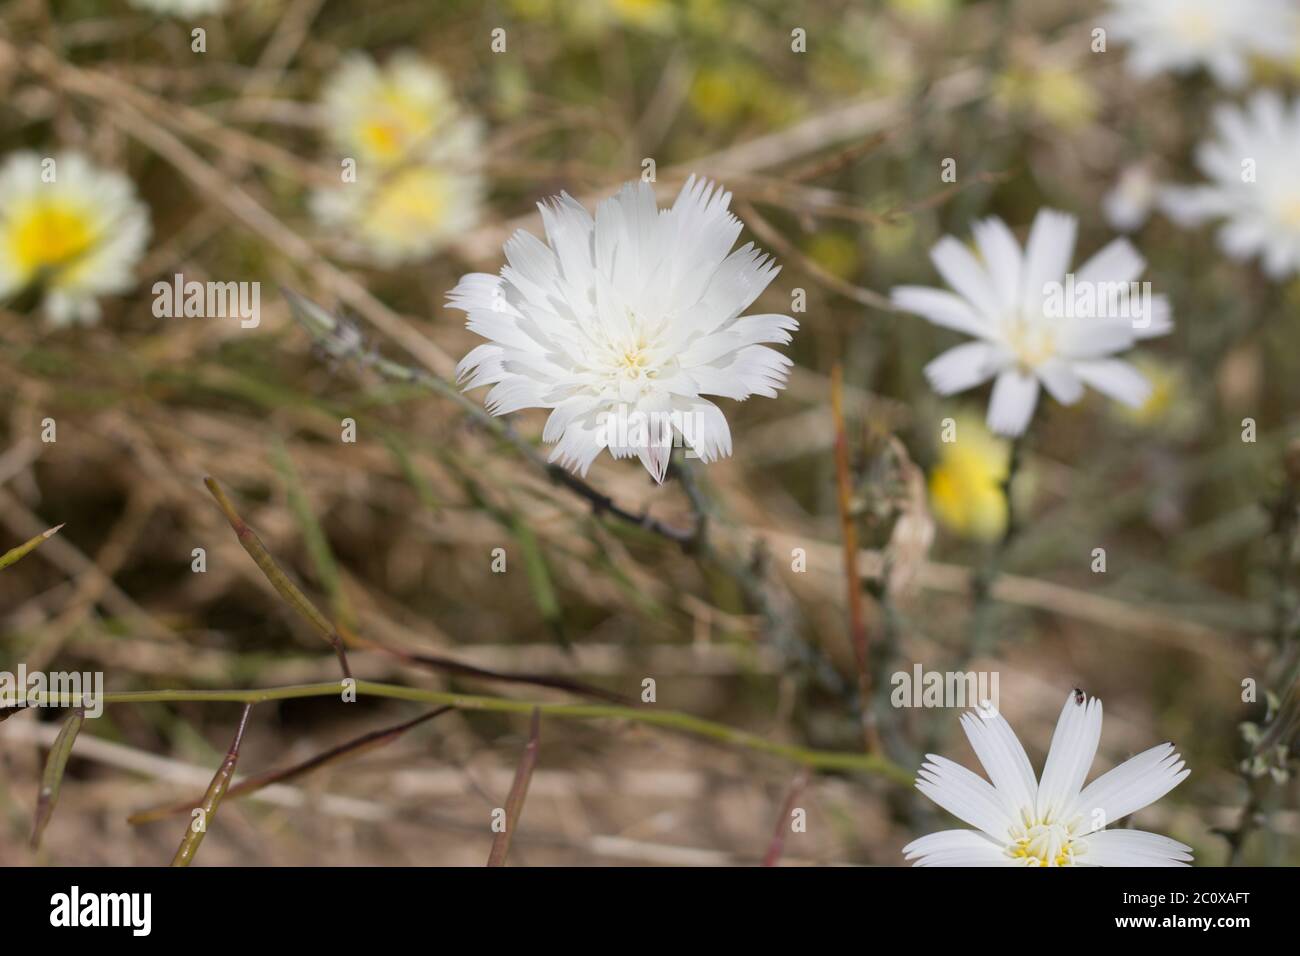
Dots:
pixel 620 324
pixel 1035 323
pixel 402 216
pixel 74 230
pixel 1055 821
pixel 1254 184
pixel 181 8
pixel 1221 35
pixel 416 155
pixel 392 115
pixel 1128 206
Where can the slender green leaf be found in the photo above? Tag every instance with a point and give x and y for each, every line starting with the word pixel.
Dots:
pixel 423 488
pixel 275 574
pixel 539 575
pixel 52 778
pixel 207 810
pixel 15 555
pixel 318 547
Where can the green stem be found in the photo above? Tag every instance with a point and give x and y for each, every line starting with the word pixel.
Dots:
pixel 982 581
pixel 15 555
pixel 670 719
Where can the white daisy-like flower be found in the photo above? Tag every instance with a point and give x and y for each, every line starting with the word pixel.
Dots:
pixel 1037 324
pixel 417 183
pixel 72 229
pixel 1179 36
pixel 1254 170
pixel 622 323
pixel 395 114
pixel 1055 821
pixel 181 8
pixel 400 216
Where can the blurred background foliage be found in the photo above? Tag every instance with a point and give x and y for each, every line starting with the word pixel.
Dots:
pixel 836 153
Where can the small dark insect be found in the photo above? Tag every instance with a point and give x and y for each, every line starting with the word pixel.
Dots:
pixel 1079 696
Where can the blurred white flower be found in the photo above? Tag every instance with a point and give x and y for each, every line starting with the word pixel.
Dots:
pixel 401 112
pixel 417 182
pixel 72 229
pixel 1035 323
pixel 1220 35
pixel 622 322
pixel 1128 206
pixel 401 216
pixel 1055 821
pixel 1255 186
pixel 595 18
pixel 181 8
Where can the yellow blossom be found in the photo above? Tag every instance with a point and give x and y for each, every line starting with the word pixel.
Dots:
pixel 966 483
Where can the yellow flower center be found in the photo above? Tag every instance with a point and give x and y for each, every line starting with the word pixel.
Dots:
pixel 1289 213
pixel 382 137
pixel 641 12
pixel 1032 342
pixel 628 364
pixel 49 235
pixel 1043 844
pixel 414 200
pixel 397 125
pixel 1196 27
pixel 633 364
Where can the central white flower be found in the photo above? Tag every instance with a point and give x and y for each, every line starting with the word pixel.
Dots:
pixel 621 322
pixel 1055 821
